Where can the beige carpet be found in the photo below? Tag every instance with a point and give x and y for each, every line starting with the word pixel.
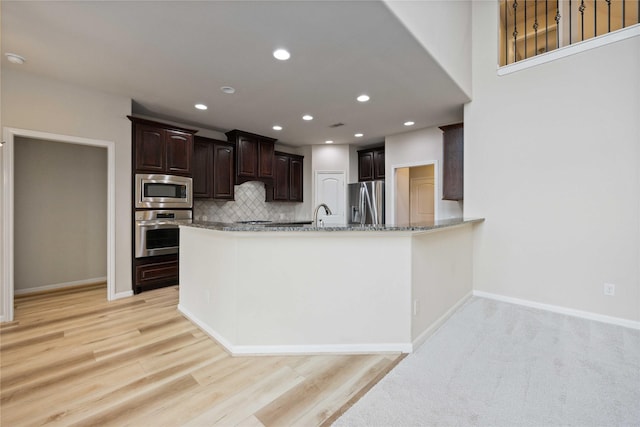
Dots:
pixel 499 364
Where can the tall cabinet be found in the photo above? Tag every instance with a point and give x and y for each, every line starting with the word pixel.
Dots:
pixel 157 148
pixel 453 162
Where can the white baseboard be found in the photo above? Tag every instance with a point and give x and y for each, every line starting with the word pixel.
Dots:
pixel 206 329
pixel 283 350
pixel 92 281
pixel 562 310
pixel 435 325
pixel 293 350
pixel 125 294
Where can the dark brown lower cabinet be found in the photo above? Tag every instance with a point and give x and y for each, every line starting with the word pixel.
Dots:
pixel 155 272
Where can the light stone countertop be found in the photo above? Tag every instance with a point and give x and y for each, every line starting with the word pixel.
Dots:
pixel 299 226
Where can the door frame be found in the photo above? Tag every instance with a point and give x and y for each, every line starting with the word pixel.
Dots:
pixel 8 138
pixel 436 181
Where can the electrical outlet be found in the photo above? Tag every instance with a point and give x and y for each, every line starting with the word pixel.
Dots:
pixel 415 307
pixel 609 289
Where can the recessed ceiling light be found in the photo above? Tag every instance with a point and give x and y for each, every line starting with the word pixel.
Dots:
pixel 358 135
pixel 228 89
pixel 15 59
pixel 363 98
pixel 409 123
pixel 277 127
pixel 328 142
pixel 200 106
pixel 281 54
pixel 307 117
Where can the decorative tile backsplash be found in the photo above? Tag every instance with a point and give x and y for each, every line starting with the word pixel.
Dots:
pixel 249 204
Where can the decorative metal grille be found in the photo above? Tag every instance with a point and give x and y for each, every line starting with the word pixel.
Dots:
pixel 533 27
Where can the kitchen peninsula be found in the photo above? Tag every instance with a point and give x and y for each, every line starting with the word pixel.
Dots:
pixel 300 289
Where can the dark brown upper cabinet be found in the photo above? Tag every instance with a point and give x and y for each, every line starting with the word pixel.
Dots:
pixel 161 148
pixel 202 168
pixel 453 162
pixel 213 169
pixel 288 179
pixel 371 164
pixel 296 178
pixel 254 156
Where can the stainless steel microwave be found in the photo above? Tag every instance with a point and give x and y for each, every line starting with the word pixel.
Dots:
pixel 155 191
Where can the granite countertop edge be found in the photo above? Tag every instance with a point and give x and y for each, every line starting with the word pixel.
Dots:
pixel 283 227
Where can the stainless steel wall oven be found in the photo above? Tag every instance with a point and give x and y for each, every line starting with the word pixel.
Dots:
pixel 157 232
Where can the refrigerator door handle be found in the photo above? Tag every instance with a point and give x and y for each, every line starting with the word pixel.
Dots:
pixel 374 216
pixel 363 212
pixel 373 205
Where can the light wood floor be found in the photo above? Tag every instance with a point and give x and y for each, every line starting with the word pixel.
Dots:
pixel 72 358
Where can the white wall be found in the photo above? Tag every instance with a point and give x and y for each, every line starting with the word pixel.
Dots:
pixel 60 236
pixel 442 271
pixel 330 157
pixel 353 164
pixel 552 161
pixel 443 27
pixel 35 103
pixel 415 148
pixel 298 305
pixel 2 235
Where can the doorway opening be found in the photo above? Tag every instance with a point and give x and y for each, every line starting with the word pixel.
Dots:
pixel 416 200
pixel 14 195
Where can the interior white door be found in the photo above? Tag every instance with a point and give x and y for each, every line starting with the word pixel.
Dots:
pixel 330 190
pixel 421 200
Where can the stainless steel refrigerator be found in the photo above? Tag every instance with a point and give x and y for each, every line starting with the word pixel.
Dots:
pixel 366 203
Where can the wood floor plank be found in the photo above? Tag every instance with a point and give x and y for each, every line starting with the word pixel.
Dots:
pixel 335 397
pixel 251 421
pixel 73 358
pixel 118 414
pixel 294 403
pixel 83 408
pixel 242 405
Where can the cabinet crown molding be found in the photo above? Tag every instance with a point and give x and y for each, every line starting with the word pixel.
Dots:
pixel 449 127
pixel 141 121
pixel 232 134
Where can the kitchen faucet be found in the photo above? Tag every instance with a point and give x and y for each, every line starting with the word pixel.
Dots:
pixel 315 213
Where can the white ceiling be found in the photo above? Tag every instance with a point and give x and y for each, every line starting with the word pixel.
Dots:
pixel 168 55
